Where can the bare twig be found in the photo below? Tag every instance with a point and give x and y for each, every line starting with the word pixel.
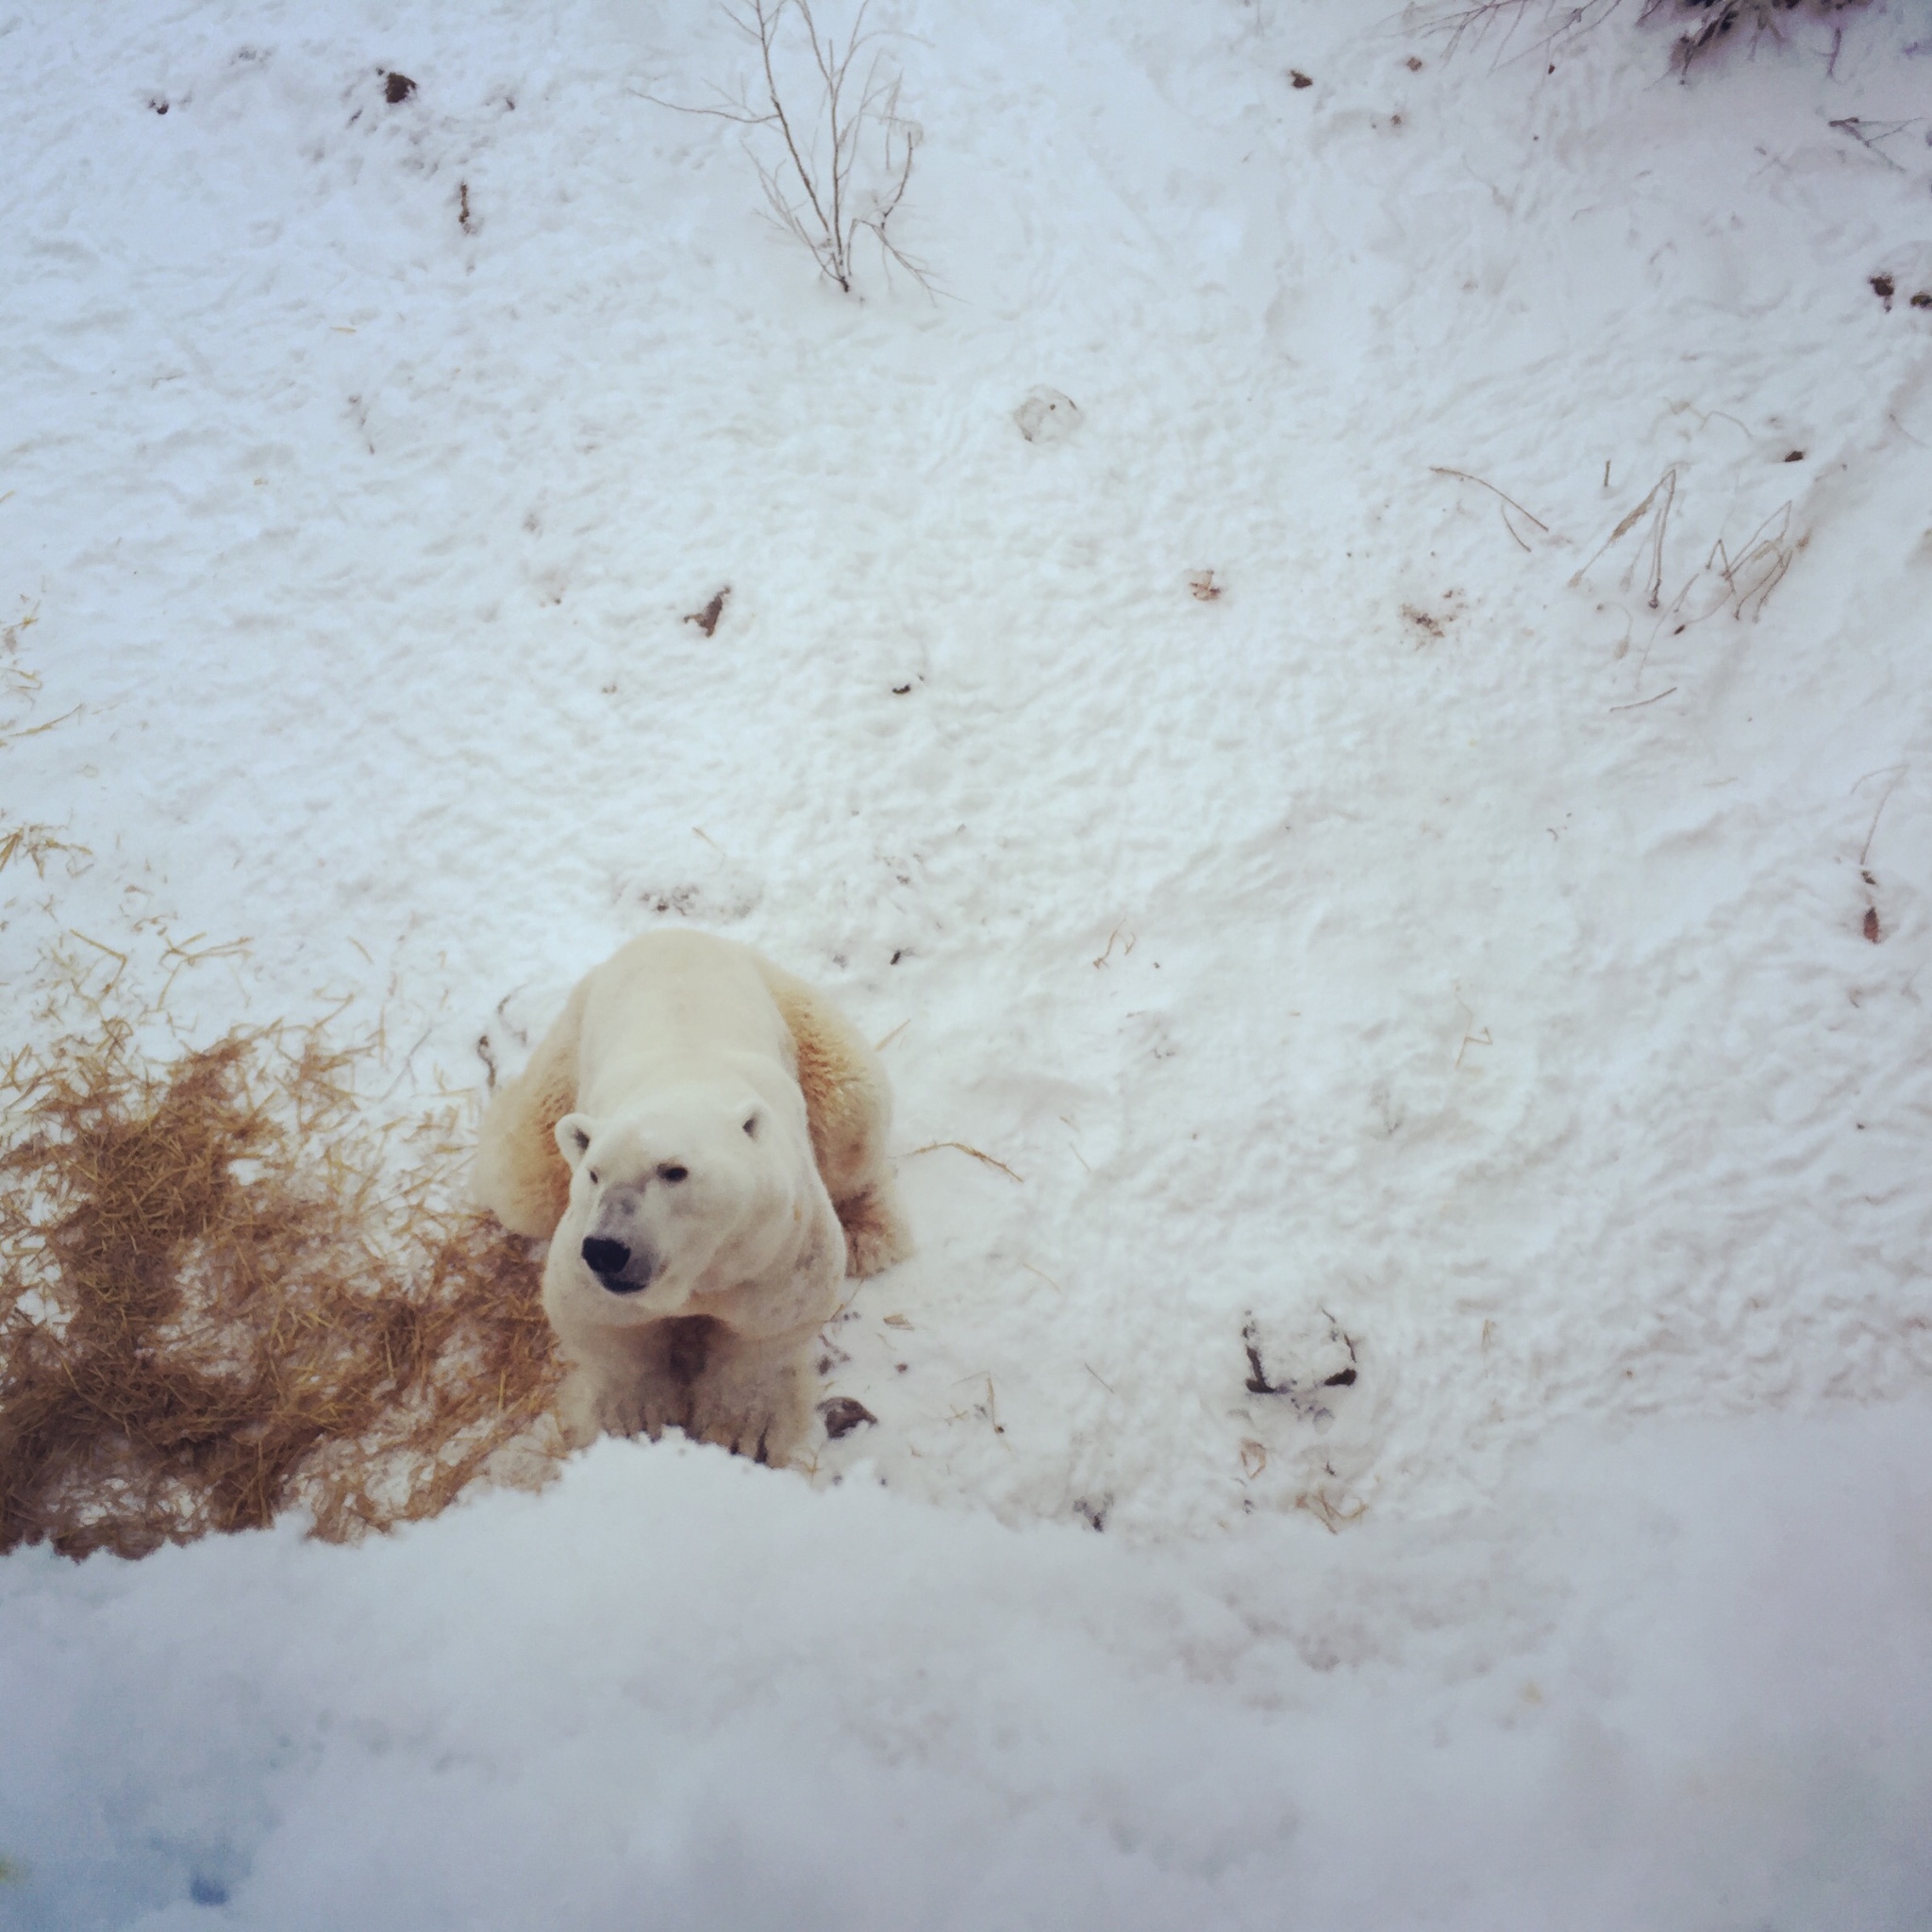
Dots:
pixel 1720 17
pixel 1476 19
pixel 840 168
pixel 1641 702
pixel 1898 773
pixel 1868 134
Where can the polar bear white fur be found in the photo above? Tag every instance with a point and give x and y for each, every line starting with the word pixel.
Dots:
pixel 703 1138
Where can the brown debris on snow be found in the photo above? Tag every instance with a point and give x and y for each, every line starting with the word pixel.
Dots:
pixel 707 619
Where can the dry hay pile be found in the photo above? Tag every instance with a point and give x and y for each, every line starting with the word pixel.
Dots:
pixel 222 1297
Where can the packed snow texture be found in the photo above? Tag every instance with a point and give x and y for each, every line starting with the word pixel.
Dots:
pixel 1679 1682
pixel 1348 695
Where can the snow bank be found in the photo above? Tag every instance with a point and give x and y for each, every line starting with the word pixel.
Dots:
pixel 1687 1682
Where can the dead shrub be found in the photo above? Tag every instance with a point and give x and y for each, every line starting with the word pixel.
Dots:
pixel 834 155
pixel 222 1295
pixel 1701 24
pixel 1713 21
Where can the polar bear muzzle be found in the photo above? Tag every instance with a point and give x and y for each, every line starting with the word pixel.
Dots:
pixel 612 1263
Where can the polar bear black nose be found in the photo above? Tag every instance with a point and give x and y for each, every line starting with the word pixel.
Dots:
pixel 608 1259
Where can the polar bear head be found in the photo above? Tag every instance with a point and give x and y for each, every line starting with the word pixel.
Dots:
pixel 686 1190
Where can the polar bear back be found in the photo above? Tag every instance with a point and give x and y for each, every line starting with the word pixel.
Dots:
pixel 673 1006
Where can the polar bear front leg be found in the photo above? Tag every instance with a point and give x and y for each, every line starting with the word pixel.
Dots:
pixel 637 1381
pixel 754 1393
pixel 595 1402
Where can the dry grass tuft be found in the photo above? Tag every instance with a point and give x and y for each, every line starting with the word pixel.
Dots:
pixel 223 1296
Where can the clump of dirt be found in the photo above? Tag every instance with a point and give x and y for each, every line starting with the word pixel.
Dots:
pixel 707 619
pixel 224 1295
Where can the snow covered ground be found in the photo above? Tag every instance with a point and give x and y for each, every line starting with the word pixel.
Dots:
pixel 1477 949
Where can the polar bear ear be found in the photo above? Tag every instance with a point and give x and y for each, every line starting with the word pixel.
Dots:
pixel 574 1133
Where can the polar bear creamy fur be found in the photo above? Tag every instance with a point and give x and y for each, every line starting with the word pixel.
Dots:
pixel 703 1138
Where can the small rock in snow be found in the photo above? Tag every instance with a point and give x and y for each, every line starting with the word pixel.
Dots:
pixel 844 1413
pixel 1047 416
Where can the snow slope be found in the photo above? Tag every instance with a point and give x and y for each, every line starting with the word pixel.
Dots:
pixel 1429 956
pixel 1685 1684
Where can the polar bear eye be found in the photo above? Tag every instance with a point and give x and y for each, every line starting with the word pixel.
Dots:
pixel 672 1173
pixel 593 1176
pixel 751 1126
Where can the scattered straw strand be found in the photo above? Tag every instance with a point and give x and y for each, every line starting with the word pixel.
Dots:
pixel 933 1147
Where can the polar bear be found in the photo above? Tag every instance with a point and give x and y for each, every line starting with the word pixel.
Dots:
pixel 703 1138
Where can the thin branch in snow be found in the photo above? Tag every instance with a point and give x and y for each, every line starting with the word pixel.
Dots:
pixel 1898 773
pixel 1475 21
pixel 1868 134
pixel 1641 702
pixel 1717 18
pixel 834 166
